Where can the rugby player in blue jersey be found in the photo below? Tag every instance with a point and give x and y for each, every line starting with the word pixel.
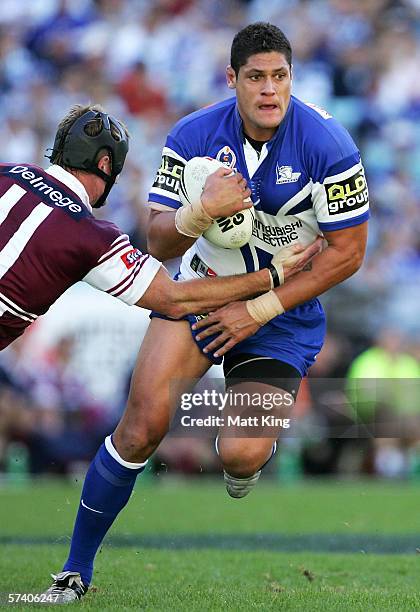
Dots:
pixel 306 178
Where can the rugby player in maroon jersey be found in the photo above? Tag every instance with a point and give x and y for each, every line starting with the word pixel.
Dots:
pixel 49 238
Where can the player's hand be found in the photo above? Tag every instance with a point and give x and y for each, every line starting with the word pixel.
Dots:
pixel 295 258
pixel 224 195
pixel 234 323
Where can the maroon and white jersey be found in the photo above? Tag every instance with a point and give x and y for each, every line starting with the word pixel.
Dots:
pixel 49 240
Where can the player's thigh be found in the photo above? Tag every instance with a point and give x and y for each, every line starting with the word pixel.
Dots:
pixel 168 364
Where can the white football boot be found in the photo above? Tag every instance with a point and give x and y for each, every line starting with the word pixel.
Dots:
pixel 239 487
pixel 66 588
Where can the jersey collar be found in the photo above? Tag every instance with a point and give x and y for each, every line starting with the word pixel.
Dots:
pixel 71 182
pixel 280 130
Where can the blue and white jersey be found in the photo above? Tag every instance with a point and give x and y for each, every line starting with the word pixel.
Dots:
pixel 307 179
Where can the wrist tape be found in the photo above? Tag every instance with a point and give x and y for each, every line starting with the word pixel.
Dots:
pixel 265 307
pixel 192 220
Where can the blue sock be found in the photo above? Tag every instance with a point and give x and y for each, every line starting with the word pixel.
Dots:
pixel 108 485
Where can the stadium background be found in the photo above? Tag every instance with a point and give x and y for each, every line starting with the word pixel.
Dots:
pixel 337 543
pixel 64 383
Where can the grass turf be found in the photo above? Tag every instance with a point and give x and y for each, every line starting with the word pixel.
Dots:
pixel 135 578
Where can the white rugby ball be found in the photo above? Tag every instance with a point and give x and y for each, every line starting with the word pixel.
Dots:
pixel 227 232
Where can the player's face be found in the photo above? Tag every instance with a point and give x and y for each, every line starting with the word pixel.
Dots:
pixel 263 89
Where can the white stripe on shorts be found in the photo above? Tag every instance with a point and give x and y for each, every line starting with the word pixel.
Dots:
pixel 247 361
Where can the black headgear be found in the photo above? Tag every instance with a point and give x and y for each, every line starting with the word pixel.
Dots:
pixel 79 150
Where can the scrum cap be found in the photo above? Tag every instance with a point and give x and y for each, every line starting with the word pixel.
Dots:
pixel 80 150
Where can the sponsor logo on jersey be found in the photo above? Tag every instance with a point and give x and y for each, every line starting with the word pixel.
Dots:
pixel 41 184
pixel 226 156
pixel 201 268
pixel 347 195
pixel 285 174
pixel 275 235
pixel 169 174
pixel 131 257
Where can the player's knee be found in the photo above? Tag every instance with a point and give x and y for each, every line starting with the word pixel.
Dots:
pixel 136 443
pixel 141 429
pixel 240 460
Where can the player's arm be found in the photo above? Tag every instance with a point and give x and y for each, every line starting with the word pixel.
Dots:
pixel 163 239
pixel 171 233
pixel 201 295
pixel 124 272
pixel 179 298
pixel 340 260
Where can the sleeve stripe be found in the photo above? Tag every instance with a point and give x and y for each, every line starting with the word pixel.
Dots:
pixel 130 279
pixel 343 175
pixel 165 193
pixel 15 310
pixel 117 241
pixel 343 164
pixel 157 199
pixel 118 249
pixel 128 285
pixel 19 311
pixel 125 279
pixel 172 153
pixel 134 272
pixel 117 289
pixel 349 222
pixel 124 239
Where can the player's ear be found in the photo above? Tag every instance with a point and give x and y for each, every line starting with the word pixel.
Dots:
pixel 230 77
pixel 291 72
pixel 104 164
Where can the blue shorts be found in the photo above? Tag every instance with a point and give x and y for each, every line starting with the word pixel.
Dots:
pixel 296 337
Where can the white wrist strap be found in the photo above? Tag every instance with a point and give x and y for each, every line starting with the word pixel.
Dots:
pixel 265 307
pixel 192 220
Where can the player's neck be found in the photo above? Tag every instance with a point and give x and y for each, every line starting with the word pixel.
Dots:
pixel 93 184
pixel 256 144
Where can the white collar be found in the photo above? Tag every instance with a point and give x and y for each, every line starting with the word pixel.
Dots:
pixel 70 181
pixel 252 158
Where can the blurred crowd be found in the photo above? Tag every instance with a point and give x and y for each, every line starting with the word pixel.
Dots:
pixel 151 62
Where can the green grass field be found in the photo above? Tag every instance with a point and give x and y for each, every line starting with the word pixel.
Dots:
pixel 187 546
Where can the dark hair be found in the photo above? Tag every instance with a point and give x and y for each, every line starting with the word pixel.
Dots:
pixel 260 37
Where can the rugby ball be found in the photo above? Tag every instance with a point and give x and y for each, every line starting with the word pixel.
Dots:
pixel 227 232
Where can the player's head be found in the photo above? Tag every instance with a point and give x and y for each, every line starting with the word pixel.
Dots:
pixel 88 140
pixel 261 72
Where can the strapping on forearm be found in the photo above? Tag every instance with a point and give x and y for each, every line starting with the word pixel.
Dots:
pixel 265 307
pixel 192 220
